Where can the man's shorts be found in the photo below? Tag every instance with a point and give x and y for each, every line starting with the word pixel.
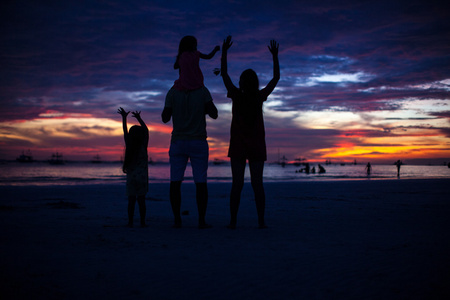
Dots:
pixel 195 150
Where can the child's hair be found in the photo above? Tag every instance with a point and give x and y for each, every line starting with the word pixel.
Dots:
pixel 136 137
pixel 187 44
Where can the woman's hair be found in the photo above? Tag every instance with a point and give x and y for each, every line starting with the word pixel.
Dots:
pixel 249 87
pixel 136 137
pixel 248 82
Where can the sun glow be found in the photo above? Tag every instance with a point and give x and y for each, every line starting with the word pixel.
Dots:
pixel 77 137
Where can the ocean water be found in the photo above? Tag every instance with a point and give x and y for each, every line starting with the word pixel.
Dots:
pixel 76 173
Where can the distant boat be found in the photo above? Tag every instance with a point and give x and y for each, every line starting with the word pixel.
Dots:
pixel 298 161
pixel 150 161
pixel 282 161
pixel 25 157
pixel 56 159
pixel 96 159
pixel 218 162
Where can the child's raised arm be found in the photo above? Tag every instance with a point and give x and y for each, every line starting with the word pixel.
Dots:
pixel 137 115
pixel 223 66
pixel 210 55
pixel 273 48
pixel 124 114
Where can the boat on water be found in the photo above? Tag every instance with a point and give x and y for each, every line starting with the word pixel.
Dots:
pixel 96 159
pixel 299 161
pixel 218 162
pixel 25 157
pixel 56 159
pixel 282 161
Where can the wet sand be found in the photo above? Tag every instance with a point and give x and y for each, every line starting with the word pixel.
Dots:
pixel 369 239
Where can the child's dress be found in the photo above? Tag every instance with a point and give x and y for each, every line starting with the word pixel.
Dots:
pixel 137 174
pixel 191 76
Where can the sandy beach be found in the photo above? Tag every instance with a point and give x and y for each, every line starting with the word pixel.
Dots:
pixel 368 239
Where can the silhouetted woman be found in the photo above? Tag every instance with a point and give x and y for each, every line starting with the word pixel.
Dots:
pixel 247 135
pixel 135 164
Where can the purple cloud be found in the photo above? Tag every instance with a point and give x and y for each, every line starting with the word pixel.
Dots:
pixel 91 57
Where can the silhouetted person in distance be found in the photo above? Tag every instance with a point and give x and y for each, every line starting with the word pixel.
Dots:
pixel 368 168
pixel 247 135
pixel 188 62
pixel 398 164
pixel 135 164
pixel 187 106
pixel 321 169
pixel 307 169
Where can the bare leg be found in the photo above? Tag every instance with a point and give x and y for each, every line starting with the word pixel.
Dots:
pixel 131 204
pixel 237 170
pixel 142 209
pixel 175 201
pixel 202 203
pixel 256 173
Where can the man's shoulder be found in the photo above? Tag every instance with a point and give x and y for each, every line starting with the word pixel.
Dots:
pixel 201 92
pixel 174 92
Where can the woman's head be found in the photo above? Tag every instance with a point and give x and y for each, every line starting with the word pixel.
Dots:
pixel 248 82
pixel 187 43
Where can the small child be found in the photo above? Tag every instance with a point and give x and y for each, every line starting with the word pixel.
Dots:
pixel 188 62
pixel 135 164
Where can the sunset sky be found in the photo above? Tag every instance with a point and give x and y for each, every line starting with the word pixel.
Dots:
pixel 364 80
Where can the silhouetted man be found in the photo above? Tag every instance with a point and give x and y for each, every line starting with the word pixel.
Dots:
pixel 398 163
pixel 187 110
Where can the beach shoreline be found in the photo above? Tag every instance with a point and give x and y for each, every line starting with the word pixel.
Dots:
pixel 365 239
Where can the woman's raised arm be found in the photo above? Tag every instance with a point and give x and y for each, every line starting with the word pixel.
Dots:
pixel 273 48
pixel 223 67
